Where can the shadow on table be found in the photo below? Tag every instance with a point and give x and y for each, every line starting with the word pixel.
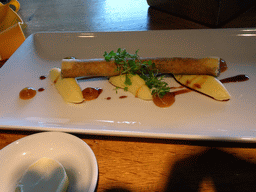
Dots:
pixel 227 173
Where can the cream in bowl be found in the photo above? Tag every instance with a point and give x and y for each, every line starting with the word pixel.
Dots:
pixel 43 176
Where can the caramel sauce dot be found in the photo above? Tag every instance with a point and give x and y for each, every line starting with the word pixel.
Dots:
pixel 41 89
pixel 27 93
pixel 166 101
pixel 90 93
pixel 42 77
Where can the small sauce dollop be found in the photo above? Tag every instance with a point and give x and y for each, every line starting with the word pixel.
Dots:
pixel 166 101
pixel 42 77
pixel 27 93
pixel 41 89
pixel 169 98
pixel 122 97
pixel 90 93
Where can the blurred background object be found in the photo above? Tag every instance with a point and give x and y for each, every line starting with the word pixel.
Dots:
pixel 11 33
pixel 211 12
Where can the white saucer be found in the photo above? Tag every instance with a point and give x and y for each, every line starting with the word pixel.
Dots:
pixel 73 153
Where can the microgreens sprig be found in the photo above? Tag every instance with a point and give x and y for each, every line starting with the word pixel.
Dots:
pixel 157 85
pixel 130 64
pixel 127 62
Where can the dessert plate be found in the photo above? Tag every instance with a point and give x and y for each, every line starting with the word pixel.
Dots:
pixel 74 154
pixel 192 116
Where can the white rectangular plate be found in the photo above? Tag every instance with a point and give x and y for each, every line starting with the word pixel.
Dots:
pixel 192 116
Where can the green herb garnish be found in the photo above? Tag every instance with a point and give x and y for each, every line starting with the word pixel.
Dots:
pixel 127 62
pixel 130 64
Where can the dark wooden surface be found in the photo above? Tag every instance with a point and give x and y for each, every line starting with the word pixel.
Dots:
pixel 110 15
pixel 135 164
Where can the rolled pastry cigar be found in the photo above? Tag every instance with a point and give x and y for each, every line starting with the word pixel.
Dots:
pixel 178 66
pixel 88 68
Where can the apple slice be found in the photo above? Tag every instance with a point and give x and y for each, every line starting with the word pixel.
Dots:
pixel 205 84
pixel 144 93
pixel 68 88
pixel 136 80
pixel 118 81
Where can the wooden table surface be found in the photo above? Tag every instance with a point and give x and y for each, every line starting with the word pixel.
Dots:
pixel 136 164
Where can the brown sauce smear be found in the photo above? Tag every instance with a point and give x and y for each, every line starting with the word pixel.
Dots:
pixel 122 97
pixel 42 77
pixel 182 91
pixel 27 93
pixel 41 89
pixel 177 87
pixel 238 78
pixel 55 81
pixel 90 93
pixel 197 85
